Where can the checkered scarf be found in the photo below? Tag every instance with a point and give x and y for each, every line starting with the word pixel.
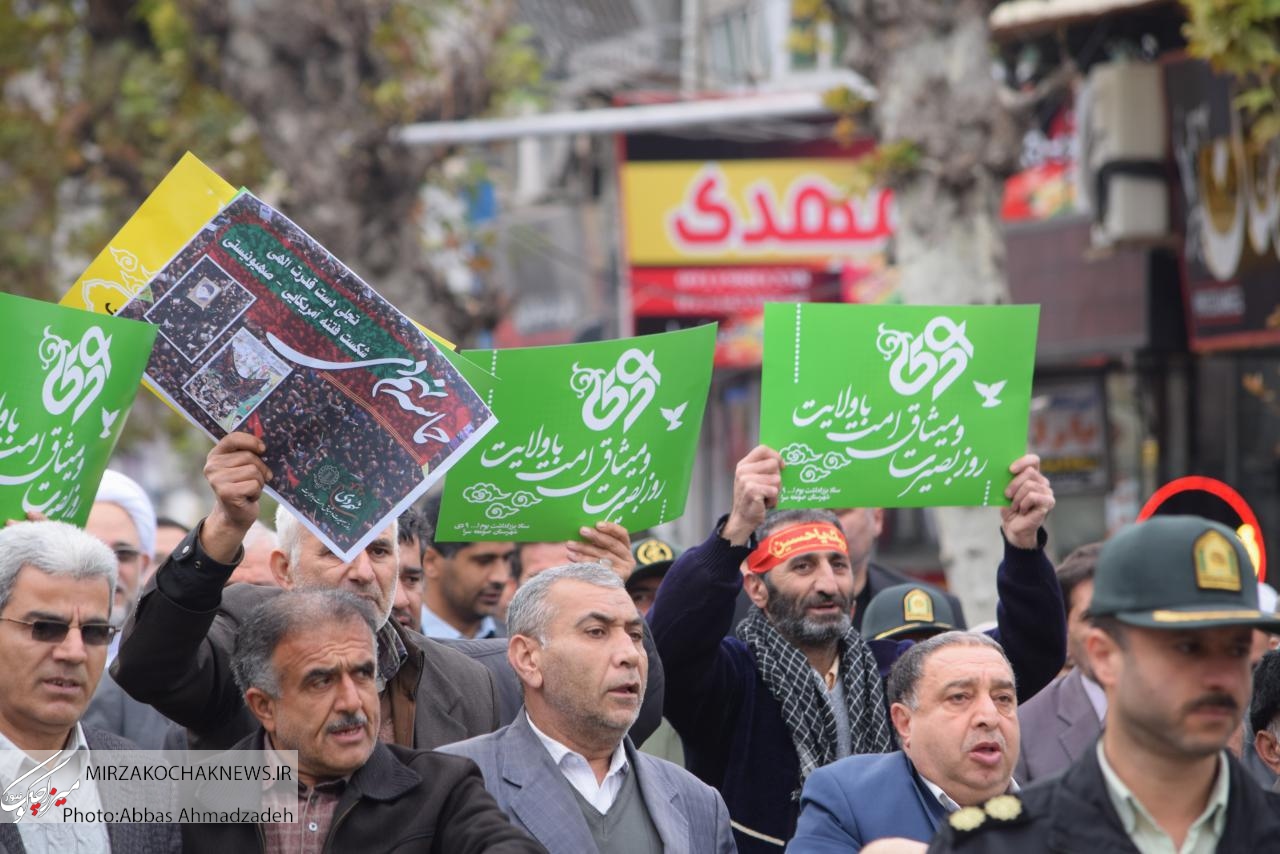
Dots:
pixel 802 693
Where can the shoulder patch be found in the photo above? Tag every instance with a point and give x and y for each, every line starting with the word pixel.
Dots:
pixel 1003 808
pixel 967 819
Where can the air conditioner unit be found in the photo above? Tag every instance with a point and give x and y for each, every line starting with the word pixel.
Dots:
pixel 1123 143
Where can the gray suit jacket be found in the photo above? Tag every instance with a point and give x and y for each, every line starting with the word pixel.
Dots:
pixel 1058 725
pixel 115 711
pixel 125 838
pixel 690 816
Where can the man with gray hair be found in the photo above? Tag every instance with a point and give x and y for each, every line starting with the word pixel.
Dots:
pixel 177 647
pixel 307 664
pixel 954 705
pixel 565 770
pixel 56 589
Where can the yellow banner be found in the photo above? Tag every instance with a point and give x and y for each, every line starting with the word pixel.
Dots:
pixel 181 203
pixel 750 211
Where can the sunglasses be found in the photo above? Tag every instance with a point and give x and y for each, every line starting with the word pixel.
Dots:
pixel 55 631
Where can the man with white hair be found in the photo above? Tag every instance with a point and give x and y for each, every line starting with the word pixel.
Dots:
pixel 564 770
pixel 56 590
pixel 259 543
pixel 177 646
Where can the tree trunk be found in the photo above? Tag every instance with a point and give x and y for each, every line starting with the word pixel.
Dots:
pixel 931 64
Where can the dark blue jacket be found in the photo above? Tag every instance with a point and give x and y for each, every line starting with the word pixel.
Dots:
pixel 860 799
pixel 732 727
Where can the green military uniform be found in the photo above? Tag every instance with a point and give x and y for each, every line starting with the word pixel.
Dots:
pixel 1169 572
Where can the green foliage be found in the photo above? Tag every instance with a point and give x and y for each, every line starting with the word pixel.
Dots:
pixel 404 89
pixel 884 166
pixel 516 71
pixel 91 120
pixel 1242 38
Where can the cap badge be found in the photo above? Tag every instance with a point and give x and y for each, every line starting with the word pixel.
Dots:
pixel 1216 562
pixel 653 551
pixel 917 607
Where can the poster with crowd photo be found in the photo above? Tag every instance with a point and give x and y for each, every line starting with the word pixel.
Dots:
pixel 604 431
pixel 895 405
pixel 262 330
pixel 70 378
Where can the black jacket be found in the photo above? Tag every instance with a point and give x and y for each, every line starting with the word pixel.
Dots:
pixel 400 800
pixel 176 656
pixel 1072 814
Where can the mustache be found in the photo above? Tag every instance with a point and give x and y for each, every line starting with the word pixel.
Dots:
pixel 1216 700
pixel 347 721
pixel 845 602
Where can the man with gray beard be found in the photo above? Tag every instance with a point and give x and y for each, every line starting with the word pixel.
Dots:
pixel 798 687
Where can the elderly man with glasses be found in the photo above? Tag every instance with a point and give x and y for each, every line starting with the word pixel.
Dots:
pixel 56 591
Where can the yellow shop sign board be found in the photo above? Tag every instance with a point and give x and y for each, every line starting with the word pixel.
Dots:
pixel 750 211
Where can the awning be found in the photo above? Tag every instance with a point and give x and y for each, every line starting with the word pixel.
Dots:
pixel 1021 19
pixel 757 116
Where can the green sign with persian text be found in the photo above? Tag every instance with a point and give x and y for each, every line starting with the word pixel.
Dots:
pixel 586 432
pixel 70 378
pixel 894 405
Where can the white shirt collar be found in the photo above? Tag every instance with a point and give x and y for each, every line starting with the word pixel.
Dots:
pixel 577 771
pixel 435 626
pixel 559 751
pixel 15 762
pixel 1132 812
pixel 11 756
pixel 947 802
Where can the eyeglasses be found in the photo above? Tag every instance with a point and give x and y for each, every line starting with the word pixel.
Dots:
pixel 55 631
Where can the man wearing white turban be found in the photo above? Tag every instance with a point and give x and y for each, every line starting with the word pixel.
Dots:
pixel 123 517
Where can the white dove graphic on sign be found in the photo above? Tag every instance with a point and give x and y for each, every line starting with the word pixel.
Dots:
pixel 673 416
pixel 990 393
pixel 108 420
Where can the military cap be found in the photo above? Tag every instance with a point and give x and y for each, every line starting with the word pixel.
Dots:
pixel 907 609
pixel 1178 572
pixel 653 556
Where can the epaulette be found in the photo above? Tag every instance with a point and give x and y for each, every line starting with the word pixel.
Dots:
pixel 1000 811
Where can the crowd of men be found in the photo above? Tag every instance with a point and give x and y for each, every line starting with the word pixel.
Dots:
pixel 771 688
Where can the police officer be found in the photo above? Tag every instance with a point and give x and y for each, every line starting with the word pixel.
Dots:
pixel 908 612
pixel 1174 604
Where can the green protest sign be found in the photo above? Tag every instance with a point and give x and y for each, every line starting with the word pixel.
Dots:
pixel 894 405
pixel 70 378
pixel 586 432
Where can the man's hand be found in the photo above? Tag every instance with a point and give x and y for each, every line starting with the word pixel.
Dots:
pixel 1031 500
pixel 608 543
pixel 756 483
pixel 237 474
pixel 31 516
